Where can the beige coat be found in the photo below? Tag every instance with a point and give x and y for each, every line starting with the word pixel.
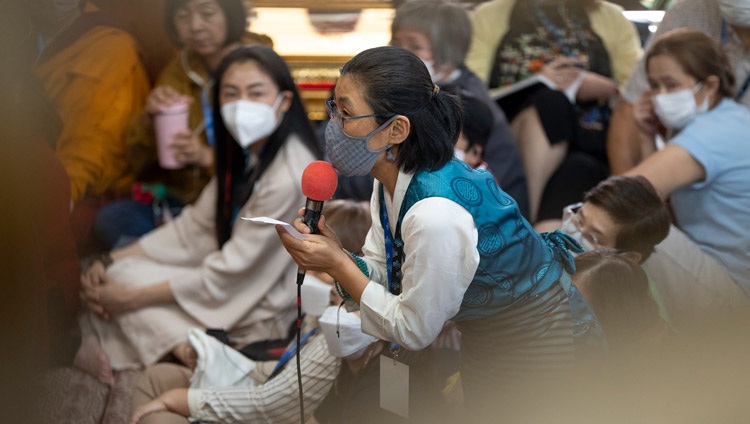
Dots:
pixel 248 287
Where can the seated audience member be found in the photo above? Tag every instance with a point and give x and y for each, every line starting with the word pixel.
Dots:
pixel 622 213
pixel 585 49
pixel 162 394
pixel 205 31
pixel 616 289
pixel 727 22
pixel 207 268
pixel 703 266
pixel 475 131
pixel 93 76
pixel 439 33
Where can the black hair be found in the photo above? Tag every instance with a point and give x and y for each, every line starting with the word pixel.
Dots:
pixel 230 157
pixel 395 81
pixel 633 204
pixel 478 120
pixel 616 289
pixel 234 12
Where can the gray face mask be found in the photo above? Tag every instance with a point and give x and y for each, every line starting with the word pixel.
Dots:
pixel 351 156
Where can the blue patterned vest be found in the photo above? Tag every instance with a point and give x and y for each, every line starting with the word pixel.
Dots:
pixel 516 263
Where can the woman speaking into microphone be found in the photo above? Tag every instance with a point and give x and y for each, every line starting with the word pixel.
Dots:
pixel 446 242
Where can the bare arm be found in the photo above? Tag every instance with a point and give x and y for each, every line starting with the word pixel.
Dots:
pixel 175 400
pixel 669 169
pixel 626 145
pixel 596 87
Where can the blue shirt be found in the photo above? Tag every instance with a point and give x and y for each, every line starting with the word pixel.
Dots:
pixel 715 212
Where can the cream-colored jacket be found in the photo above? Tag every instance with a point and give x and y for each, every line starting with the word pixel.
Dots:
pixel 247 287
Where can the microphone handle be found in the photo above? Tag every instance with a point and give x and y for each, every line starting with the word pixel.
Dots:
pixel 313 208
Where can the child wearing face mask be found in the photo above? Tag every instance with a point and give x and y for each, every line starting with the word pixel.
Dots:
pixel 703 171
pixel 169 393
pixel 475 131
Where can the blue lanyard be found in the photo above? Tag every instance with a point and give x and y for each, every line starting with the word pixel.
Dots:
pixel 208 117
pixel 724 41
pixel 393 261
pixel 291 350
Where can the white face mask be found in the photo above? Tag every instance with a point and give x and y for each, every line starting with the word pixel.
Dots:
pixel 569 227
pixel 250 121
pixel 735 12
pixel 316 296
pixel 459 154
pixel 675 110
pixel 434 75
pixel 350 342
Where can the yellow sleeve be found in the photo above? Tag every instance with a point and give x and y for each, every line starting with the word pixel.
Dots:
pixel 141 139
pixel 98 93
pixel 620 39
pixel 489 24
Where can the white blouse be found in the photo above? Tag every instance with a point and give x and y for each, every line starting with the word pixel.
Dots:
pixel 441 258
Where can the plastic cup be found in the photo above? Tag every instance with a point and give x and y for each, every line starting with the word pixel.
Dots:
pixel 167 123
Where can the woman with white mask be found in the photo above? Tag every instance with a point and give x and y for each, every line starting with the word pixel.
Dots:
pixel 703 170
pixel 206 268
pixel 205 31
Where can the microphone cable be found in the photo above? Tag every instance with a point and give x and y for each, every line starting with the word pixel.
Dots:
pixel 300 279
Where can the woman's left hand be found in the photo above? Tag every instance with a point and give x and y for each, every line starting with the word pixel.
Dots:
pixel 189 150
pixel 318 252
pixel 562 71
pixel 115 299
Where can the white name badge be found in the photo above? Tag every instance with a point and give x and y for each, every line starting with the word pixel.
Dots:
pixel 394 386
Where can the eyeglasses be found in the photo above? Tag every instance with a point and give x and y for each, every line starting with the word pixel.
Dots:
pixel 335 115
pixel 572 211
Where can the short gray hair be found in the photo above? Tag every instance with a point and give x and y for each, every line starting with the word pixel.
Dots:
pixel 446 24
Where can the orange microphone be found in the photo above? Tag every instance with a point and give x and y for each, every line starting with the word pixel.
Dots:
pixel 319 182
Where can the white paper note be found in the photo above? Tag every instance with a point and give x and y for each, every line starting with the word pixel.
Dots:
pixel 288 227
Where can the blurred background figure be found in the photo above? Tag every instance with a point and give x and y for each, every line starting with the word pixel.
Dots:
pixel 585 50
pixel 439 32
pixel 476 129
pixel 703 266
pixel 92 74
pixel 616 289
pixel 39 288
pixel 726 22
pixel 205 31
